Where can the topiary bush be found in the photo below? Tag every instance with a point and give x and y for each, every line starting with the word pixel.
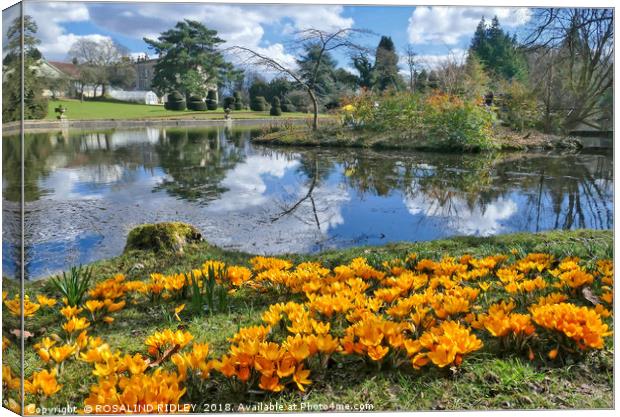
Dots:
pixel 167 236
pixel 275 107
pixel 211 100
pixel 258 103
pixel 196 103
pixel 229 103
pixel 175 101
pixel 238 101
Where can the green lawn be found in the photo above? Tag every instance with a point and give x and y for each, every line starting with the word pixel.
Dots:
pixel 484 381
pixel 86 110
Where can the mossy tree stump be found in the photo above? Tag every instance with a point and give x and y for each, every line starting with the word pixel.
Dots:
pixel 159 237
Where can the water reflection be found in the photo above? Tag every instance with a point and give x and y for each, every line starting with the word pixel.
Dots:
pixel 85 190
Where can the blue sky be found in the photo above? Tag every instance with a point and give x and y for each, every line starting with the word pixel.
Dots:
pixel 433 31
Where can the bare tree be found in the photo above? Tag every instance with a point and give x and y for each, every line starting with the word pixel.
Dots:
pixel 450 72
pixel 578 47
pixel 412 64
pixel 326 42
pixel 99 56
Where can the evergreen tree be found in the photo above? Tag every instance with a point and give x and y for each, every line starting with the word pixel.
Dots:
pixel 278 87
pixel 344 79
pixel 386 65
pixel 479 40
pixel 14 41
pixel 324 82
pixel 189 59
pixel 498 51
pixel 421 82
pixel 364 67
pixel 259 88
pixel 35 105
pixel 433 80
pixel 475 83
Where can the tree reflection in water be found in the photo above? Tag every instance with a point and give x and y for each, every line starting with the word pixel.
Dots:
pixel 561 191
pixel 84 189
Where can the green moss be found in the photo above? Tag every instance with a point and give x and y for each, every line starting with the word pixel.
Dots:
pixel 171 236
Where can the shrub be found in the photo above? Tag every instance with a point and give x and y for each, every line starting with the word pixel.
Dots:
pixel 238 101
pixel 519 108
pixel 175 101
pixel 275 107
pixel 196 103
pixel 360 111
pixel 211 100
pixel 440 120
pixel 258 103
pixel 300 100
pixel 229 103
pixel 35 107
pixel 457 125
pixel 35 104
pixel 333 104
pixel 73 286
pixel 287 106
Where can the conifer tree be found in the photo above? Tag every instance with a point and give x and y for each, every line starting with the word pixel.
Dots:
pixel 498 52
pixel 386 65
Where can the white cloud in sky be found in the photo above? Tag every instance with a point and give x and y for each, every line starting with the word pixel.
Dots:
pixel 243 25
pixel 430 62
pixel 55 40
pixel 448 25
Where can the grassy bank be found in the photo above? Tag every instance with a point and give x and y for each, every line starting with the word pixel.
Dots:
pixel 484 380
pixel 94 110
pixel 331 135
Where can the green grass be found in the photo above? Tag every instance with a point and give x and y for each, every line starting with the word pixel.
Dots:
pixel 91 110
pixel 484 381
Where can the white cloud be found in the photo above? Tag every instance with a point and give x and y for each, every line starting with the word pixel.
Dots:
pixel 461 217
pixel 245 183
pixel 249 205
pixel 55 40
pixel 319 17
pixel 447 25
pixel 242 25
pixel 432 61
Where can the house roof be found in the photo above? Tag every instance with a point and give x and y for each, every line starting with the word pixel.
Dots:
pixel 67 68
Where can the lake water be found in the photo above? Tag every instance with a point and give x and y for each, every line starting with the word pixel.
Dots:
pixel 85 190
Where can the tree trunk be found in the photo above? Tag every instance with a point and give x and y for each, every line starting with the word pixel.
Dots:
pixel 102 90
pixel 548 98
pixel 315 107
